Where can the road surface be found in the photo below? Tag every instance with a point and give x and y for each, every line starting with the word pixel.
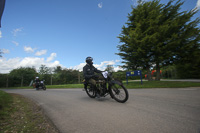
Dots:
pixel 147 110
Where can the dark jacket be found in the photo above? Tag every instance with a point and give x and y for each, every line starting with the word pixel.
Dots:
pixel 37 81
pixel 88 71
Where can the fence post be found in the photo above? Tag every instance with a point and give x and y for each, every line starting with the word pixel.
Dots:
pixel 51 79
pixel 79 78
pixel 22 81
pixel 7 82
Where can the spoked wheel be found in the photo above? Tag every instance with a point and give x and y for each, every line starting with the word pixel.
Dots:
pixel 119 93
pixel 90 91
pixel 44 88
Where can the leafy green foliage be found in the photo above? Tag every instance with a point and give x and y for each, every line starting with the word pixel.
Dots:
pixel 158 34
pixel 169 71
pixel 21 76
pixel 24 75
pixel 66 76
pixel 3 80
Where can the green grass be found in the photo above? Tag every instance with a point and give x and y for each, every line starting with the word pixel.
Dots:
pixel 131 85
pixel 65 86
pixel 21 115
pixel 161 84
pixel 5 102
pixel 50 86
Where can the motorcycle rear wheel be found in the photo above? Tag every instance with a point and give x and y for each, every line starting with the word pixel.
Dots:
pixel 90 91
pixel 119 93
pixel 44 88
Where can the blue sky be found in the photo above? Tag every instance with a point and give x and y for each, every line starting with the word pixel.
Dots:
pixel 64 32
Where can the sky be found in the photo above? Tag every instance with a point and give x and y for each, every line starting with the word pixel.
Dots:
pixel 65 32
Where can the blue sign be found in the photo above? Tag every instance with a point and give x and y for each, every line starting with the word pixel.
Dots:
pixel 134 73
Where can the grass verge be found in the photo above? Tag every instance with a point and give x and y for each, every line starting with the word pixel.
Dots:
pixel 5 104
pixel 22 115
pixel 66 86
pixel 161 84
pixel 131 85
pixel 137 84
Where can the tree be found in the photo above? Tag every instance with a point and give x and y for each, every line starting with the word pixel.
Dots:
pixel 3 80
pixel 44 70
pixel 157 34
pixel 56 76
pixel 188 66
pixel 22 76
pixel 109 68
pixel 68 76
pixel 58 69
pixel 46 74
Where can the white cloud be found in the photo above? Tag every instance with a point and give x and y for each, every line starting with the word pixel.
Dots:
pixel 7 65
pixel 118 68
pixel 15 31
pixel 198 4
pixel 0 34
pixel 52 56
pixel 16 43
pixel 5 51
pixel 197 7
pixel 41 52
pixel 102 66
pixel 28 49
pixel 78 67
pixel 100 5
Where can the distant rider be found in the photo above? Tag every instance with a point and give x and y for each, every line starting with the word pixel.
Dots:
pixel 37 82
pixel 89 73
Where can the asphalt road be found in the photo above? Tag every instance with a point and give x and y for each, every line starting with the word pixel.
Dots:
pixel 146 111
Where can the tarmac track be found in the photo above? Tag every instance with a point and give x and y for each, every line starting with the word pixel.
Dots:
pixel 168 110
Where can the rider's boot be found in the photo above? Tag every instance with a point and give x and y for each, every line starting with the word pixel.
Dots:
pixel 97 92
pixel 97 95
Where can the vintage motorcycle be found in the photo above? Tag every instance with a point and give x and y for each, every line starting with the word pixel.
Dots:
pixel 108 86
pixel 41 85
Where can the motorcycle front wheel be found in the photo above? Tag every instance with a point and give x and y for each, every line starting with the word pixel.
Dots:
pixel 119 93
pixel 90 91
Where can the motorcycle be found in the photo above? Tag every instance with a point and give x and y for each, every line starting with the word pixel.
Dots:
pixel 107 86
pixel 40 85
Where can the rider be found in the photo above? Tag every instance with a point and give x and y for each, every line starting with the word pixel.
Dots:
pixel 37 82
pixel 89 73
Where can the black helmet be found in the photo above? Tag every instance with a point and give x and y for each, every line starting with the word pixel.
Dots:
pixel 89 60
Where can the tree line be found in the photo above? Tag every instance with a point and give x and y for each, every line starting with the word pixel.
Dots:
pixel 57 76
pixel 53 76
